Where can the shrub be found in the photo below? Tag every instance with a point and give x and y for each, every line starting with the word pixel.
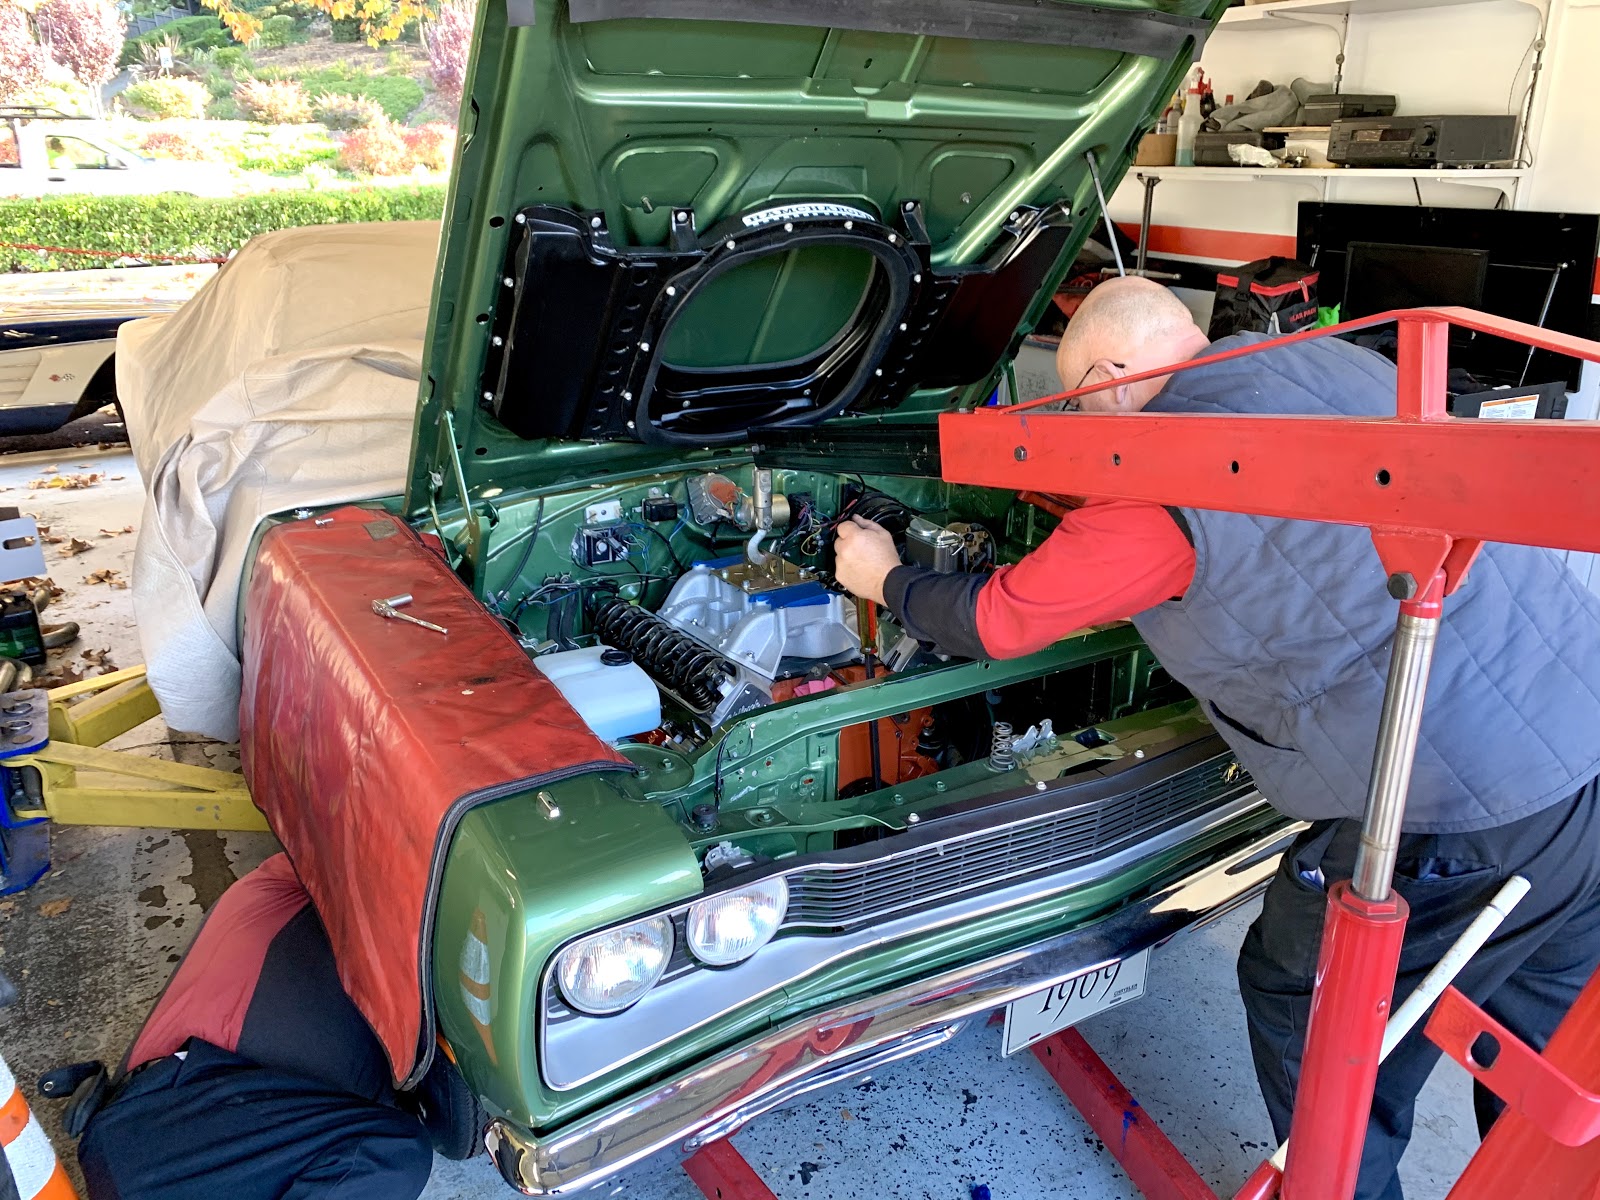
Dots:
pixel 448 38
pixel 85 36
pixel 228 58
pixel 22 62
pixel 169 143
pixel 283 159
pixel 432 145
pixel 347 29
pixel 337 110
pixel 167 96
pixel 398 95
pixel 280 103
pixel 277 30
pixel 379 149
pixel 187 226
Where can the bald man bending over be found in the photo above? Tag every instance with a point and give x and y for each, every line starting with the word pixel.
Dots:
pixel 1282 629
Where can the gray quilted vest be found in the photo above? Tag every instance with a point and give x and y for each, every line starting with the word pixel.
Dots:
pixel 1285 633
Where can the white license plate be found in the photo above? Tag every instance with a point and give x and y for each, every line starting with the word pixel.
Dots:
pixel 1036 1017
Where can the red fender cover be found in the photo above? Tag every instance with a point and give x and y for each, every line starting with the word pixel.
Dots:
pixel 365 739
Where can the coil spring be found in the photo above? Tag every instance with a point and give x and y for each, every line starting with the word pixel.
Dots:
pixel 1001 755
pixel 683 666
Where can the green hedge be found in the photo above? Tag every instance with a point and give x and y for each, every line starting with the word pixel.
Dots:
pixel 137 226
pixel 203 32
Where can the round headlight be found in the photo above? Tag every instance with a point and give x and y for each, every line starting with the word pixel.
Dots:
pixel 610 971
pixel 730 927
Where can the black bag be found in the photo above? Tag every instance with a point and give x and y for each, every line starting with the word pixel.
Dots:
pixel 1270 295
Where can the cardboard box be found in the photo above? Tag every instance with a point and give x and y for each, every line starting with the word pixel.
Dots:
pixel 1157 150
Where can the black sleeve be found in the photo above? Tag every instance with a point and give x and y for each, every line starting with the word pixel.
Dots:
pixel 938 610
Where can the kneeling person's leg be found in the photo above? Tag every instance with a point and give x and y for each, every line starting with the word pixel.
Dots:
pixel 215 1125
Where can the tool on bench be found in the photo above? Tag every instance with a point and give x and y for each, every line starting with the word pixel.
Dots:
pixel 390 608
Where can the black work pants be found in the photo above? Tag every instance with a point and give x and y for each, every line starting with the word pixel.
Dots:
pixel 1526 977
pixel 214 1126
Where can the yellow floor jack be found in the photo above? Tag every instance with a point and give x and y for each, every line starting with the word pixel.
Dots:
pixel 56 768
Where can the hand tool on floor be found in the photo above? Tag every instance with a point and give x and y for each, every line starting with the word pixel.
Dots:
pixel 390 609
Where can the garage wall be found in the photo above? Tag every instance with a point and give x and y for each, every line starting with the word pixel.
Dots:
pixel 1461 58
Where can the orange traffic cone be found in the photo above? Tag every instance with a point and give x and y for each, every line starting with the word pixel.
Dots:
pixel 28 1156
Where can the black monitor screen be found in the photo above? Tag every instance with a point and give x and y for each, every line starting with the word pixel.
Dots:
pixel 1383 276
pixel 1541 271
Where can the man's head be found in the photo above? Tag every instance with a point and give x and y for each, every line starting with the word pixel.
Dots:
pixel 1125 327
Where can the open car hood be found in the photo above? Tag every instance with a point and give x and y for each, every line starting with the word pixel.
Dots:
pixel 682 223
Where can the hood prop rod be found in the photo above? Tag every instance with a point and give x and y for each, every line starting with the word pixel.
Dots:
pixel 1105 212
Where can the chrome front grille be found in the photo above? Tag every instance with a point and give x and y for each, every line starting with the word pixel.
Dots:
pixel 846 896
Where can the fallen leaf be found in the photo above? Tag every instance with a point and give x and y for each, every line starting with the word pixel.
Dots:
pixel 105 575
pixel 84 466
pixel 115 532
pixel 8 906
pixel 100 658
pixel 115 478
pixel 52 538
pixel 51 470
pixel 120 583
pixel 70 482
pixel 54 908
pixel 76 546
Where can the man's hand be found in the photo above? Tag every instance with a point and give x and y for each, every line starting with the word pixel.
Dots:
pixel 863 556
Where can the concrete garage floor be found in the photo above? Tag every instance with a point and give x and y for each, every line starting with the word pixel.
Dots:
pixel 926 1129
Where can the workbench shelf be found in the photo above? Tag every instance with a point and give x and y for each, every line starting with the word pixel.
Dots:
pixel 1466 175
pixel 1256 18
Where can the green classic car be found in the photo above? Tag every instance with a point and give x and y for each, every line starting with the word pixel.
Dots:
pixel 709 273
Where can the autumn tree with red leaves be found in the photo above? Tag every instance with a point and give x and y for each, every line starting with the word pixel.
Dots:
pixel 84 36
pixel 22 60
pixel 448 37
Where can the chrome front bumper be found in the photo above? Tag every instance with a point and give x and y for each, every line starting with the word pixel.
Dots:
pixel 717 1098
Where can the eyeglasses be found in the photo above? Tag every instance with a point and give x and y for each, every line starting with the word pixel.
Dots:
pixel 1076 404
pixel 1091 371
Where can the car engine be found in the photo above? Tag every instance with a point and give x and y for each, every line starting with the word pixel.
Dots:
pixel 729 628
pixel 736 631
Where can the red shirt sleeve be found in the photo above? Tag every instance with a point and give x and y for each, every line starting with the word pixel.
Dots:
pixel 1105 562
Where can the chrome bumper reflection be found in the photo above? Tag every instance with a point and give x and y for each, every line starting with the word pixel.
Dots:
pixel 717 1098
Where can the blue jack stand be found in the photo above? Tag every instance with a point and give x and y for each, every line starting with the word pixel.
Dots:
pixel 24 841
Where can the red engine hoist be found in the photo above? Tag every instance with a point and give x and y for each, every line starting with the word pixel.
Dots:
pixel 1432 489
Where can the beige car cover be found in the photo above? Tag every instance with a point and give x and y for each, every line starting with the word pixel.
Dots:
pixel 290 379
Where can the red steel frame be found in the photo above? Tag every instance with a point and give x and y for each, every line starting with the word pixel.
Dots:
pixel 1432 490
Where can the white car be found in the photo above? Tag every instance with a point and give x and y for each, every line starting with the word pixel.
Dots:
pixel 43 153
pixel 57 361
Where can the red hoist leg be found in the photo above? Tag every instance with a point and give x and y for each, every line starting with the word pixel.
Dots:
pixel 721 1173
pixel 1547 1143
pixel 1156 1166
